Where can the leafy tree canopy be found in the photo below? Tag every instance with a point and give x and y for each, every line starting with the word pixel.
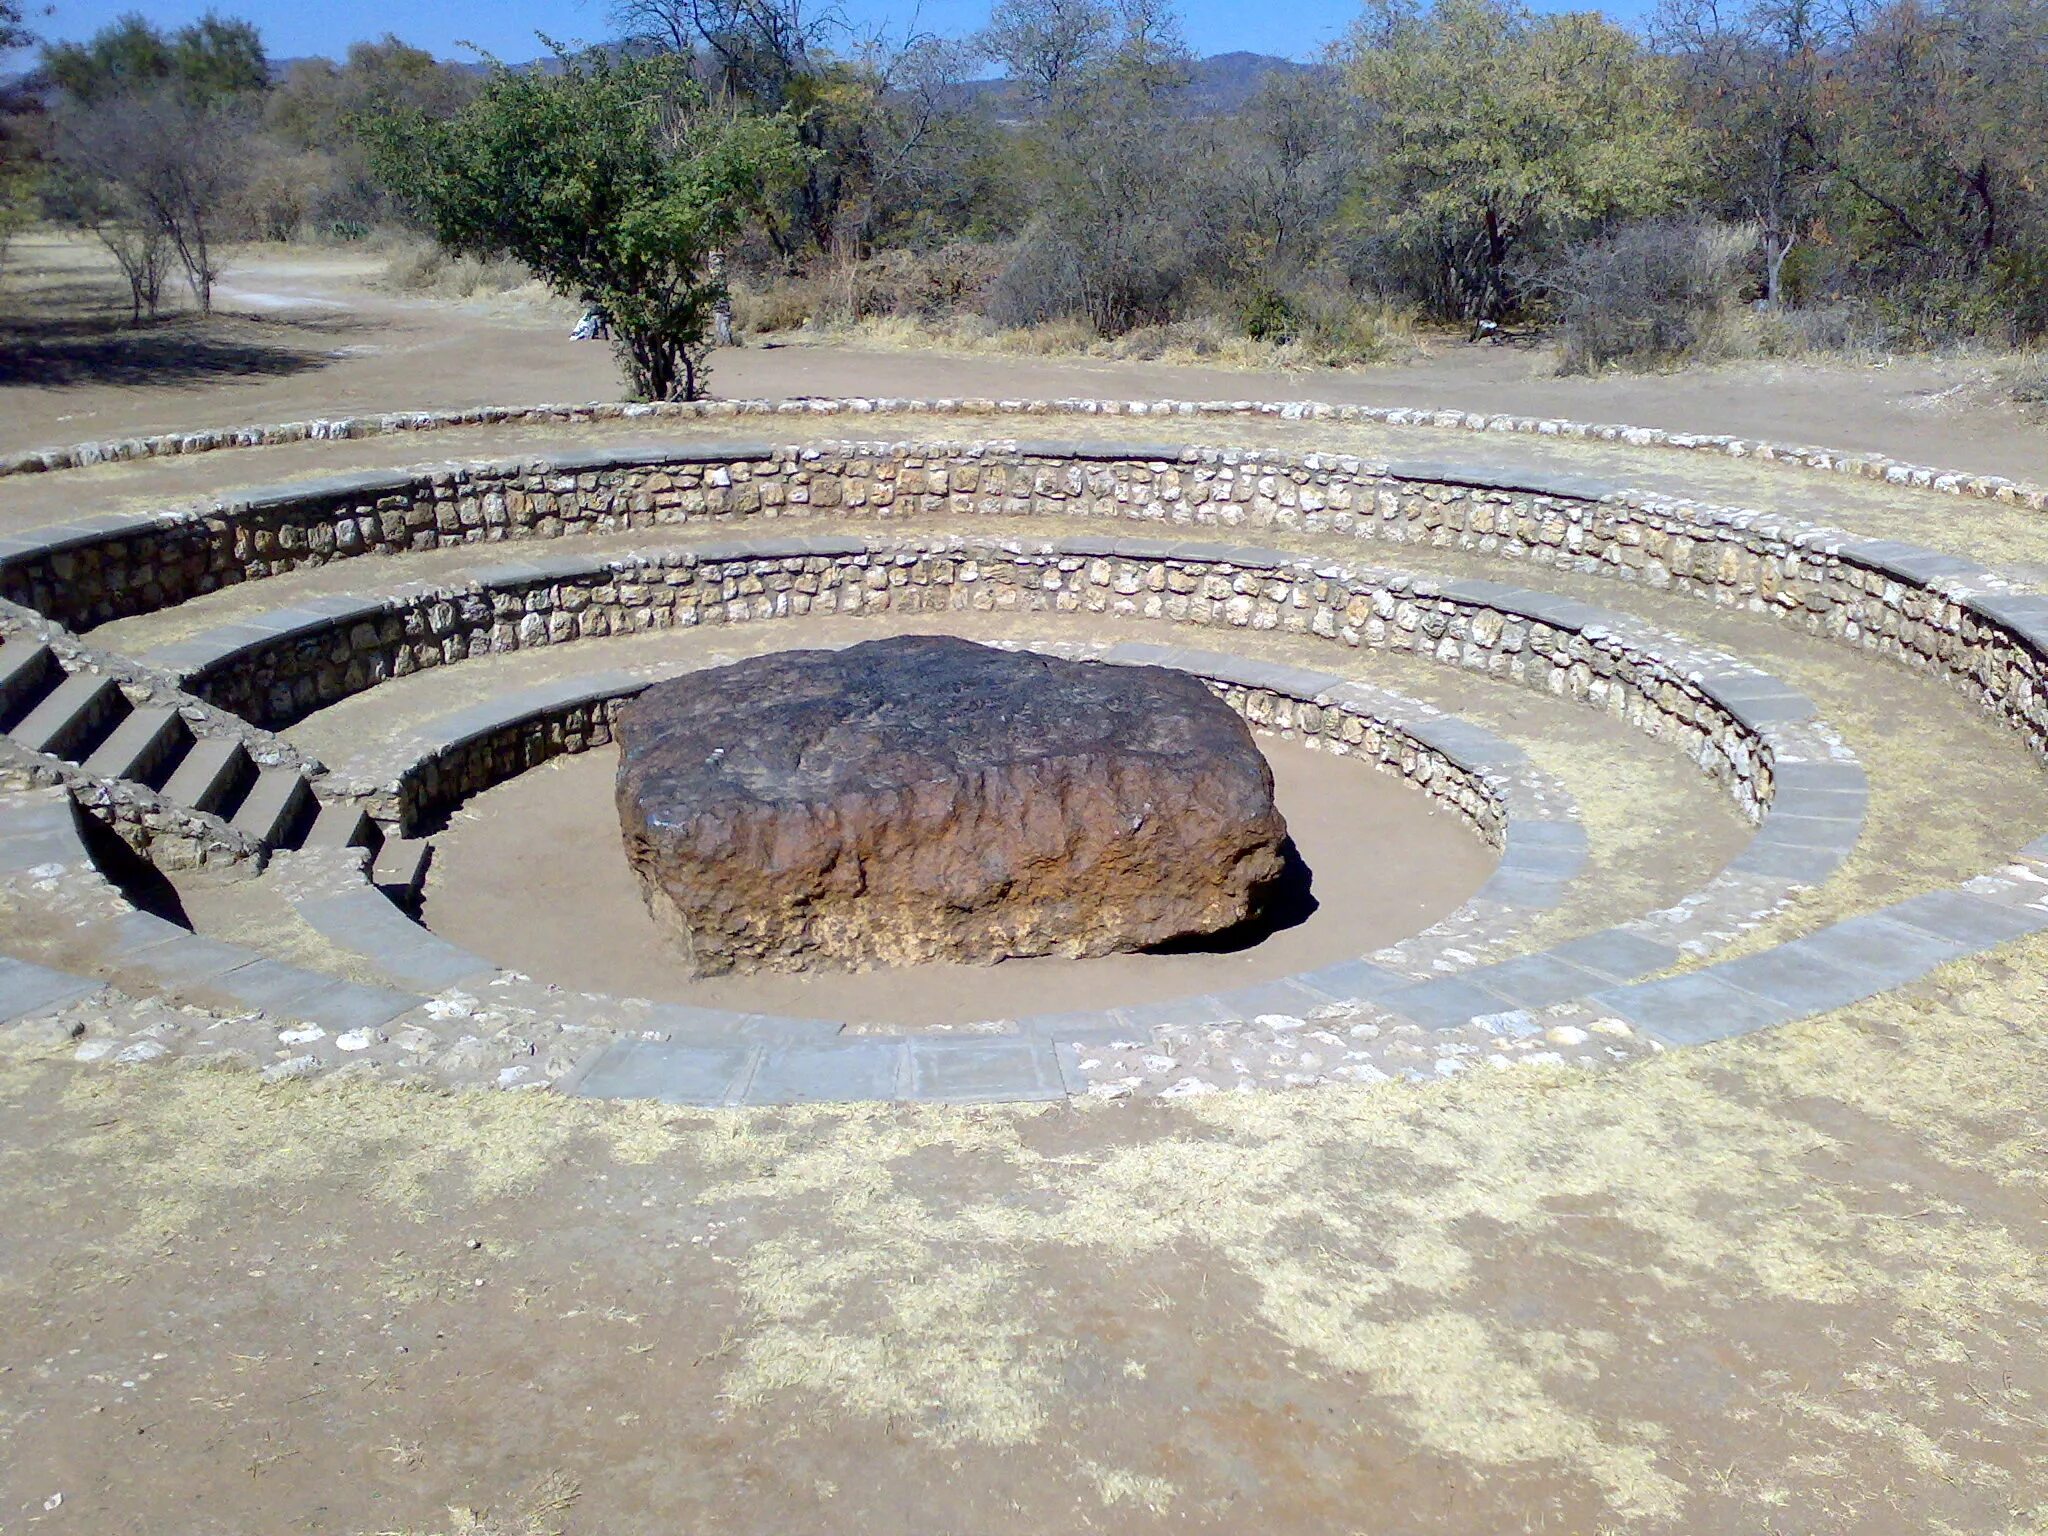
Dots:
pixel 614 182
pixel 1489 122
pixel 211 61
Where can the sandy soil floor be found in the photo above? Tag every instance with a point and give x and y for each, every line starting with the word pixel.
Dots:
pixel 532 874
pixel 1792 1284
pixel 303 333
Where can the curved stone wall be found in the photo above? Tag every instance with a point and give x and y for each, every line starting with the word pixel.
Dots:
pixel 1868 466
pixel 1929 610
pixel 1550 644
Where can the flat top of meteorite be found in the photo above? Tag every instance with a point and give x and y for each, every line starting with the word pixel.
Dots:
pixel 886 714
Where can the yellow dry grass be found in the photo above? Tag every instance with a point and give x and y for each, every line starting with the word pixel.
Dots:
pixel 901 1269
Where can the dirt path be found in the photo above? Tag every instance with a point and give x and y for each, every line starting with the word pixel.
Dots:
pixel 303 334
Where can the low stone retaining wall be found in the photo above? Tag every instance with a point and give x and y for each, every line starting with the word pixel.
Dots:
pixel 1867 466
pixel 1563 648
pixel 1936 611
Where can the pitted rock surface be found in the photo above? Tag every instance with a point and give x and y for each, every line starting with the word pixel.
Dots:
pixel 925 798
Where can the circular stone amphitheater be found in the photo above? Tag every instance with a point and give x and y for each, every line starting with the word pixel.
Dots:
pixel 1592 741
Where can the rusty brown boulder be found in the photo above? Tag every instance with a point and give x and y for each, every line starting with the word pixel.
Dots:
pixel 926 798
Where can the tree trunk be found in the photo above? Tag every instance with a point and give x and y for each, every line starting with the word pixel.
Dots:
pixel 721 311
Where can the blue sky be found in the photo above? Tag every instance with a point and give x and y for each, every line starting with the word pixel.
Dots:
pixel 1298 28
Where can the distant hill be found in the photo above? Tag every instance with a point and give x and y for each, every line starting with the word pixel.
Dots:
pixel 1219 85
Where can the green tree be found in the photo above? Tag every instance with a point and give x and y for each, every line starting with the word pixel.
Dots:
pixel 1489 128
pixel 615 183
pixel 212 61
pixel 151 135
pixel 1934 129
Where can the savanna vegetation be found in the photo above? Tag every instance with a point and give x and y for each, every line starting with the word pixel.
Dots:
pixel 1774 176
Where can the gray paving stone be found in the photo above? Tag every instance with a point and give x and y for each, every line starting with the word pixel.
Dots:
pixel 1288 995
pixel 1889 953
pixel 1800 975
pixel 984 1071
pixel 1516 888
pixel 700 1075
pixel 27 989
pixel 1786 861
pixel 1832 833
pixel 1526 832
pixel 1967 919
pixel 1538 980
pixel 20 852
pixel 1846 778
pixel 274 987
pixel 1690 1009
pixel 1171 1012
pixel 1357 980
pixel 1616 953
pixel 1089 1025
pixel 1555 862
pixel 829 1074
pixel 180 961
pixel 366 923
pixel 349 1005
pixel 1445 1002
pixel 1762 711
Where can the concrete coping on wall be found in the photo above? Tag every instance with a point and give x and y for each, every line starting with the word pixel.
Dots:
pixel 1871 466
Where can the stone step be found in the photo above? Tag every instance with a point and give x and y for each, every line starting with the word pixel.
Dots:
pixel 275 807
pixel 74 717
pixel 344 824
pixel 401 866
pixel 143 746
pixel 211 776
pixel 27 670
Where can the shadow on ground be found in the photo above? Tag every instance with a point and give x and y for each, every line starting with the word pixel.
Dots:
pixel 62 348
pixel 1291 903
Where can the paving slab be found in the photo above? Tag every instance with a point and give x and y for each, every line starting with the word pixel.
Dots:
pixel 984 1071
pixel 829 1074
pixel 366 923
pixel 1968 919
pixel 1691 1009
pixel 1802 976
pixel 1288 995
pixel 27 989
pixel 1445 1002
pixel 1888 953
pixel 180 960
pixel 1357 980
pixel 1539 980
pixel 1616 953
pixel 699 1075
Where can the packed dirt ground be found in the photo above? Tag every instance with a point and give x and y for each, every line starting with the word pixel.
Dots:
pixel 302 333
pixel 1795 1283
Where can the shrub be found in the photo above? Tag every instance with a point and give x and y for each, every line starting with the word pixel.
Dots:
pixel 2026 378
pixel 1041 282
pixel 1819 330
pixel 1653 292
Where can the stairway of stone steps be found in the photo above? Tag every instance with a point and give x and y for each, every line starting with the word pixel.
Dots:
pixel 84 719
